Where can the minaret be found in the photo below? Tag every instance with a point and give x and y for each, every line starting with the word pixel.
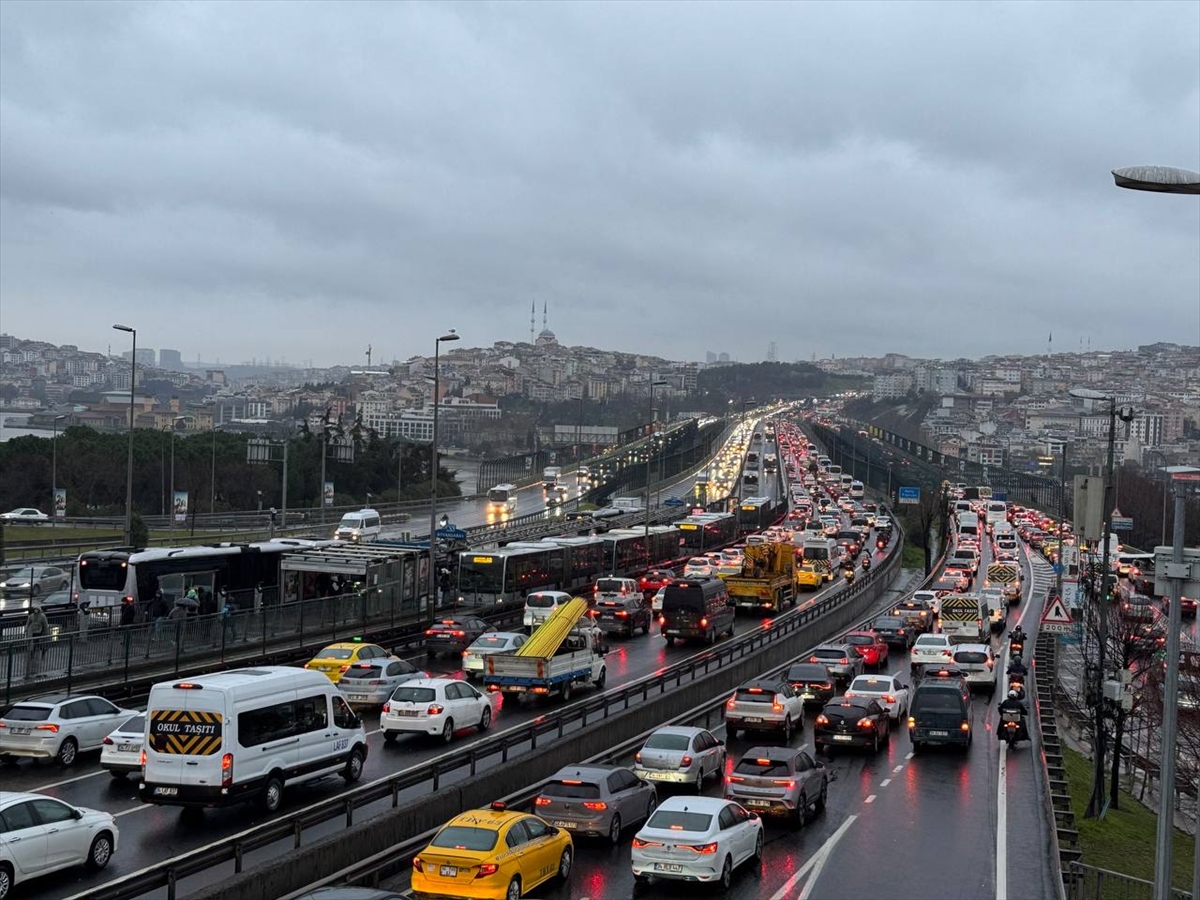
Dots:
pixel 532 318
pixel 545 327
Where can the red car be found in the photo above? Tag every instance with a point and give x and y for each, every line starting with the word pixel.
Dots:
pixel 655 579
pixel 870 646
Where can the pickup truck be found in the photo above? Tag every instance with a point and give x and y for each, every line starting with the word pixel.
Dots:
pixel 562 652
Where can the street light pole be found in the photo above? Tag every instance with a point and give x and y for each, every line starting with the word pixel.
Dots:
pixel 649 457
pixel 433 470
pixel 171 507
pixel 54 475
pixel 129 464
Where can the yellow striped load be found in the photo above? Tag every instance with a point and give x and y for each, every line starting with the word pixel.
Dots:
pixel 548 636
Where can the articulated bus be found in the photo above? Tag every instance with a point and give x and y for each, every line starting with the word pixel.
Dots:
pixel 755 513
pixel 633 549
pixel 109 578
pixel 501 502
pixel 706 531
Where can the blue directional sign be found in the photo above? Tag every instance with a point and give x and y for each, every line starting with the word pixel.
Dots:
pixel 910 495
pixel 450 533
pixel 999 495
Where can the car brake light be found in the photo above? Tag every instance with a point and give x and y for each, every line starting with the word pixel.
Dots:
pixel 142 759
pixel 637 757
pixel 430 632
pixel 786 784
pixel 685 762
pixel 50 728
pixel 638 843
pixel 889 698
pixel 822 719
pixel 731 702
pixel 865 723
pixel 595 804
pixel 542 801
pixel 227 770
pixel 435 709
pixel 108 742
pixel 387 707
pixel 776 706
pixel 345 668
pixel 700 848
pixel 965 726
pixel 486 869
pixel 704 623
pixel 417 863
pixel 844 661
pixel 912 723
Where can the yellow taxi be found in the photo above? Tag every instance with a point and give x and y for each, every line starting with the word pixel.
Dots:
pixel 807 576
pixel 336 659
pixel 491 854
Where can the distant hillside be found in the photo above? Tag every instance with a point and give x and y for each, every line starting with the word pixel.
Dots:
pixel 759 382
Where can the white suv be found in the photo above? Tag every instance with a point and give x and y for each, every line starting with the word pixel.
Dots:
pixel 58 726
pixel 764 704
pixel 930 649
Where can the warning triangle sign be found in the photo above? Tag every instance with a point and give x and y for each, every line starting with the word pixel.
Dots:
pixel 1056 614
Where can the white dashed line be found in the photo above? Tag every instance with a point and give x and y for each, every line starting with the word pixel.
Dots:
pixel 870 799
pixel 132 809
pixel 908 755
pixel 885 782
pixel 898 768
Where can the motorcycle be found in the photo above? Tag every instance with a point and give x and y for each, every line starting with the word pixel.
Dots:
pixel 1017 683
pixel 1016 646
pixel 1012 728
pixel 880 544
pixel 848 574
pixel 866 564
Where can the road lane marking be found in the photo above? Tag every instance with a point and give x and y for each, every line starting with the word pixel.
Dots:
pixel 908 755
pixel 885 782
pixel 54 784
pixel 132 809
pixel 1002 826
pixel 870 799
pixel 814 860
pixel 898 768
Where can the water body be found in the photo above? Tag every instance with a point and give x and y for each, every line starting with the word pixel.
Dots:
pixel 12 425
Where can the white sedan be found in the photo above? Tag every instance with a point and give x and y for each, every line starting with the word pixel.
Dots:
pixel 121 752
pixel 930 649
pixel 43 835
pixel 699 567
pixel 696 839
pixel 475 657
pixel 434 706
pixel 886 690
pixel 25 514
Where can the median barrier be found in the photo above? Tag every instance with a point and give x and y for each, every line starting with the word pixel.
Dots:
pixel 297 869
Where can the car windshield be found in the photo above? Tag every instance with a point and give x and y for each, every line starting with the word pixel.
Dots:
pixel 573 790
pixel 336 653
pixel 21 575
pixel 414 695
pixel 667 742
pixel 762 766
pixel 28 714
pixel 539 601
pixel 464 837
pixel 679 820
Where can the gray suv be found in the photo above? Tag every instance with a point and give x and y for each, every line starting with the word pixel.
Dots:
pixel 595 800
pixel 842 661
pixel 779 781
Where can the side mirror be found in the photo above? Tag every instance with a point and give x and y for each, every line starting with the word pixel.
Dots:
pixel 76 814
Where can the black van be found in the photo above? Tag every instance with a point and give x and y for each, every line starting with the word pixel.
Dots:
pixel 941 713
pixel 696 608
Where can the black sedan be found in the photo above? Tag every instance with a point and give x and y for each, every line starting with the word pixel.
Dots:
pixel 812 682
pixel 454 635
pixel 854 722
pixel 894 631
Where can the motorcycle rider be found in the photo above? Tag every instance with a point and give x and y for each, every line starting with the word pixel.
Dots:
pixel 1017 636
pixel 1016 668
pixel 866 562
pixel 1012 704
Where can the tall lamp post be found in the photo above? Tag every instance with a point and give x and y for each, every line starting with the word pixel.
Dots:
pixel 1096 803
pixel 129 463
pixel 451 335
pixel 654 385
pixel 1168 180
pixel 171 507
pixel 54 475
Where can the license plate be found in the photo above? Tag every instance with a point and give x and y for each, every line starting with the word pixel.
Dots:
pixel 407 712
pixel 166 791
pixel 752 719
pixel 939 734
pixel 757 802
pixel 843 737
pixel 21 730
pixel 808 696
pixel 667 867
pixel 358 698
pixel 448 871
pixel 558 824
pixel 127 748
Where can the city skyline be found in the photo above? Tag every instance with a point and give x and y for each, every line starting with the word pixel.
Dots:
pixel 804 170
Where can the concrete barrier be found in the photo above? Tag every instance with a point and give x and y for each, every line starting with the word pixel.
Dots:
pixel 299 868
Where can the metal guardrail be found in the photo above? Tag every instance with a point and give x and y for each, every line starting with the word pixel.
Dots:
pixel 549 727
pixel 1093 883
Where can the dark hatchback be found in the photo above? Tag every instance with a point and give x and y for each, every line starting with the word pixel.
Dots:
pixel 894 631
pixel 941 713
pixel 622 615
pixel 852 722
pixel 454 635
pixel 812 682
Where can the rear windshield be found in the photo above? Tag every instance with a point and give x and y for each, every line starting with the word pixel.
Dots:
pixel 755 695
pixel 28 714
pixel 336 653
pixel 887 622
pixel 414 695
pixel 668 742
pixel 684 596
pixel 931 640
pixel 808 673
pixel 540 601
pixel 827 653
pixel 464 837
pixel 678 820
pixel 871 685
pixel 136 725
pixel 365 670
pixel 970 656
pixel 613 585
pixel 938 701
pixel 861 640
pixel 762 766
pixel 574 790
pixel 493 643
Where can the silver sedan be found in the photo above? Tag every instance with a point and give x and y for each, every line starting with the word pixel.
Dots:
pixel 372 682
pixel 34 581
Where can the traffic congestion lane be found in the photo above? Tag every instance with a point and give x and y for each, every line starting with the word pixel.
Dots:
pixel 152 833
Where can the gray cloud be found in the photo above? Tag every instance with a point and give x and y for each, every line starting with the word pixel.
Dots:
pixel 295 180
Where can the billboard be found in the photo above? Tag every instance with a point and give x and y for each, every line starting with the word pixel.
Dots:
pixel 327 493
pixel 179 505
pixel 60 503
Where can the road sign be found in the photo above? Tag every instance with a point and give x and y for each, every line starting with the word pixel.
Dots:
pixel 1000 495
pixel 1122 523
pixel 1002 574
pixel 450 533
pixel 1056 619
pixel 910 495
pixel 1075 636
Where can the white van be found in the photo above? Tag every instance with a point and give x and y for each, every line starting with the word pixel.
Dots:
pixel 360 527
pixel 968 525
pixel 540 605
pixel 245 735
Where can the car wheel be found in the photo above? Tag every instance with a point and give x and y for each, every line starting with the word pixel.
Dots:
pixel 6 881
pixel 824 795
pixel 887 732
pixel 566 691
pixel 670 640
pixel 875 742
pixel 916 747
pixel 711 637
pixel 448 731
pixel 602 679
pixel 514 890
pixel 564 865
pixel 272 795
pixel 354 766
pixel 801 811
pixel 727 874
pixel 787 730
pixel 758 848
pixel 614 830
pixel 68 751
pixel 650 804
pixel 101 851
pixel 389 737
pixel 731 732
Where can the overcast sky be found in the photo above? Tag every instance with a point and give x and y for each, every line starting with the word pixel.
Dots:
pixel 298 180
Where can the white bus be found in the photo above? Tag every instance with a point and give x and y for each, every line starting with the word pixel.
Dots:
pixel 997 512
pixel 501 501
pixel 857 489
